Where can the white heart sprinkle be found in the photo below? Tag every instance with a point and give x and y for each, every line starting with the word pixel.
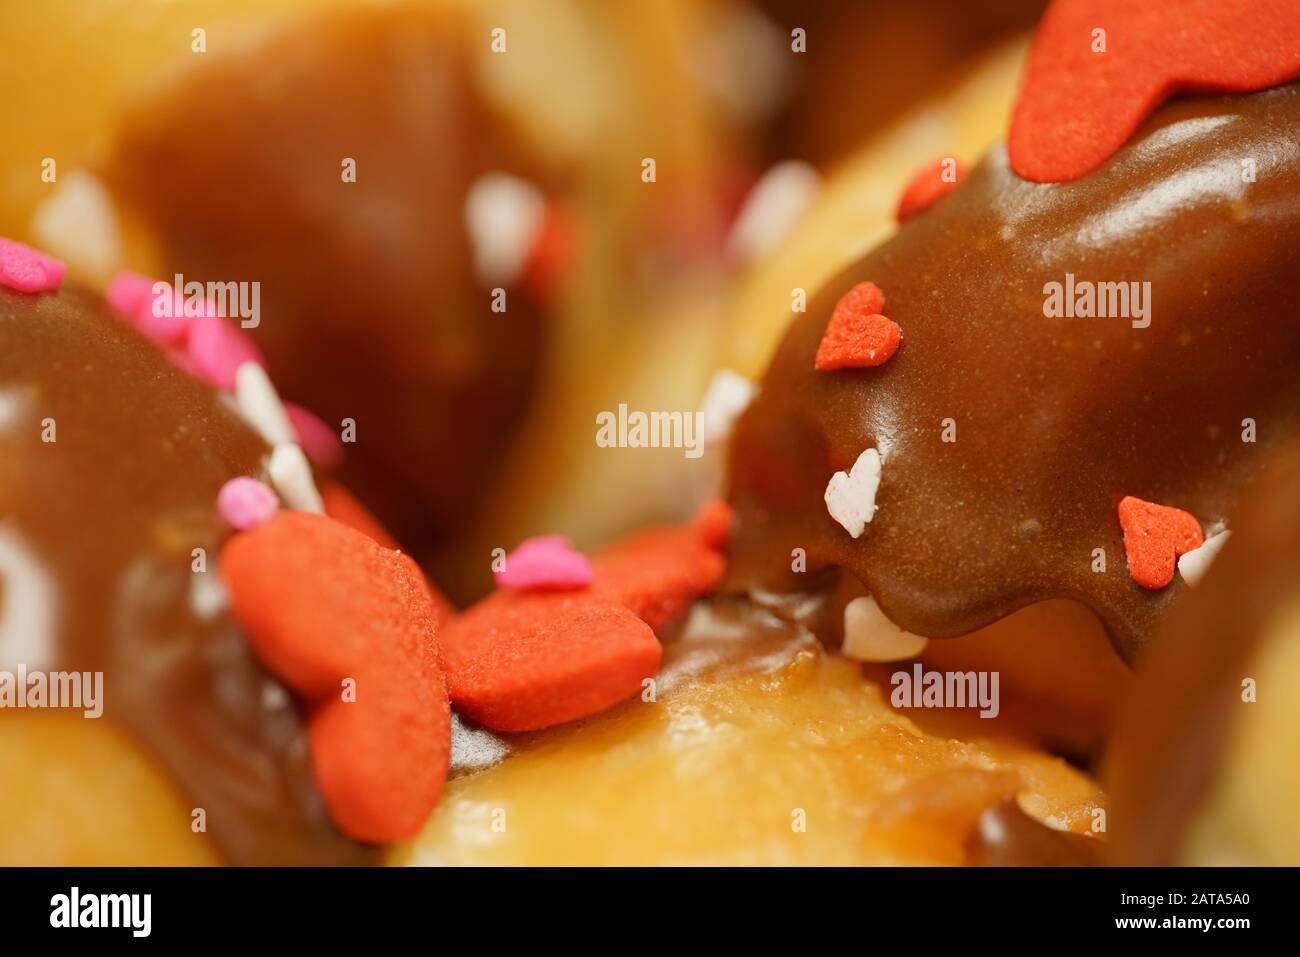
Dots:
pixel 728 395
pixel 208 596
pixel 1193 565
pixel 870 636
pixel 29 607
pixel 79 224
pixel 772 208
pixel 503 215
pixel 851 496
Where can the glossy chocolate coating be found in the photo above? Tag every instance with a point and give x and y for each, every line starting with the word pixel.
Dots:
pixel 1170 737
pixel 1008 837
pixel 111 512
pixel 370 307
pixel 1056 418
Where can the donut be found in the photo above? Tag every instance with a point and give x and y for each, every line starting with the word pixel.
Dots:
pixel 980 549
pixel 113 461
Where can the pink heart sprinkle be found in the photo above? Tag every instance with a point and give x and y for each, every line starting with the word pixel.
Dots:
pixel 547 561
pixel 181 360
pixel 163 318
pixel 156 315
pixel 128 293
pixel 246 503
pixel 27 269
pixel 321 443
pixel 218 348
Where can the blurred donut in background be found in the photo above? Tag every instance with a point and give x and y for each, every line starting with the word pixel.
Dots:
pixel 866 62
pixel 405 191
pixel 344 165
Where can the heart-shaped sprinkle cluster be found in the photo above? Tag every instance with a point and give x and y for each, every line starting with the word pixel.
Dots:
pixel 204 343
pixel 858 335
pixel 211 347
pixel 351 627
pixel 524 660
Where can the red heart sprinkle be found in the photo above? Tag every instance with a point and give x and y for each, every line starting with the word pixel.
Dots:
pixel 1077 105
pixel 554 251
pixel 321 603
pixel 712 523
pixel 342 506
pixel 1154 537
pixel 520 661
pixel 857 335
pixel 928 187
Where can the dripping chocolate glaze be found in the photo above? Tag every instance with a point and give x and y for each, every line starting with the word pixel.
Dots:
pixel 1008 837
pixel 111 511
pixel 1056 418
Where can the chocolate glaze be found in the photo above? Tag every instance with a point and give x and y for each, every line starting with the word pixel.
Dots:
pixel 369 302
pixel 111 511
pixel 1170 737
pixel 1008 837
pixel 1057 418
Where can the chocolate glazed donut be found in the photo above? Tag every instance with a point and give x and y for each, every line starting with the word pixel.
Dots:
pixel 110 513
pixel 1056 419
